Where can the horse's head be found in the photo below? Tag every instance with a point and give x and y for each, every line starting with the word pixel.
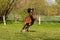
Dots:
pixel 30 11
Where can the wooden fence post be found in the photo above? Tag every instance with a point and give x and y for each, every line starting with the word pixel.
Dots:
pixel 39 20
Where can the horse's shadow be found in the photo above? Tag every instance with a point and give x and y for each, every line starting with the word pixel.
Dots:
pixel 32 31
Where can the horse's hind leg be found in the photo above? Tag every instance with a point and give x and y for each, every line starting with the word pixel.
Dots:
pixel 27 28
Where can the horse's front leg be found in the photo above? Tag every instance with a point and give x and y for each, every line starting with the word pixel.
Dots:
pixel 24 28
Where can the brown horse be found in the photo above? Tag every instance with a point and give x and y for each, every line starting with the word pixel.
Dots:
pixel 29 20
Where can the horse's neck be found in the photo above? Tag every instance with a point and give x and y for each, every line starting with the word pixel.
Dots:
pixel 30 13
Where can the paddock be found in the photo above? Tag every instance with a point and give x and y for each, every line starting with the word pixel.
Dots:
pixel 44 31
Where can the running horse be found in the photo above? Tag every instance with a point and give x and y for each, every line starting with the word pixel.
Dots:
pixel 29 20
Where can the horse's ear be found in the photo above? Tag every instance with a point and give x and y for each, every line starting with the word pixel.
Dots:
pixel 28 10
pixel 33 9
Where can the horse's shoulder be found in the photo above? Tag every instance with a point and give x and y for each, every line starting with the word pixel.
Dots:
pixel 27 18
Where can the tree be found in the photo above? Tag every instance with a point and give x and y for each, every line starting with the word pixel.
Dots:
pixel 58 7
pixel 6 6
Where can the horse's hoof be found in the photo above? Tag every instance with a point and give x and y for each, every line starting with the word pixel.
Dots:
pixel 23 30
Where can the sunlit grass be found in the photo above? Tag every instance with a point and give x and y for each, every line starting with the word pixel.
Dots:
pixel 44 31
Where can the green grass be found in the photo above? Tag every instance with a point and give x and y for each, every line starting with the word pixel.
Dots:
pixel 45 31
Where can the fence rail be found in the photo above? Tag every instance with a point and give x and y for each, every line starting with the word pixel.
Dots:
pixel 50 18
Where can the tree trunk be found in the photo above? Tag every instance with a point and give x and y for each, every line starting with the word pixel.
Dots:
pixel 4 20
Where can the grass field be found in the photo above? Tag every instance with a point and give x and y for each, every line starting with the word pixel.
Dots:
pixel 45 31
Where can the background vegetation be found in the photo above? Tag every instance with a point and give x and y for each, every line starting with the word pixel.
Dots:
pixel 19 8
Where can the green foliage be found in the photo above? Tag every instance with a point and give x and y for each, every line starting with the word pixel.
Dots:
pixel 24 14
pixel 3 3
